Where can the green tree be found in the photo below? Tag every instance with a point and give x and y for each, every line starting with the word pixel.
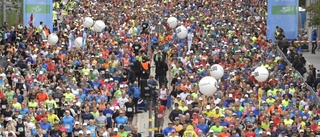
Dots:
pixel 14 12
pixel 314 11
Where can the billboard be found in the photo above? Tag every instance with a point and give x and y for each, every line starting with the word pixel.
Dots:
pixel 283 13
pixel 35 11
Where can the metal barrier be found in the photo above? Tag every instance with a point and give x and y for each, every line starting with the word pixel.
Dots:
pixel 314 94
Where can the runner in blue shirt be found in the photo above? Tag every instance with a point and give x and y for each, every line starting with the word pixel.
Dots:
pixel 92 128
pixel 45 126
pixel 122 119
pixel 68 121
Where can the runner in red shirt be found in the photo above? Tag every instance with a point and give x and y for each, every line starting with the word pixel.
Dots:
pixel 314 125
pixel 161 115
pixel 249 132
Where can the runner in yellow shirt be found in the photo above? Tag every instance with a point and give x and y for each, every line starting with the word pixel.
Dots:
pixel 52 117
pixel 69 96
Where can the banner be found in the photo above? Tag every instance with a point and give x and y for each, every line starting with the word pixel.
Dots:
pixel 283 13
pixel 35 11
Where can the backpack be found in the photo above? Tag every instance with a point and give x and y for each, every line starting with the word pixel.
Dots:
pixel 136 92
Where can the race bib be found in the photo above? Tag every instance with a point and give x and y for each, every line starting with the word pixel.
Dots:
pixel 130 109
pixel 108 115
pixel 189 134
pixel 119 125
pixel 136 47
pixel 9 97
pixel 4 106
pixel 160 115
pixel 67 126
pixel 44 131
pixel 20 129
pixel 76 133
pixel 50 105
pixel 85 121
pixel 57 100
pixel 68 99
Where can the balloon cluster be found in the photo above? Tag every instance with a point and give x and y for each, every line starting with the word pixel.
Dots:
pixel 208 85
pixel 181 31
pixel 88 22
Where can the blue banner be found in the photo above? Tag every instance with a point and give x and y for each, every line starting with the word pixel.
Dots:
pixel 35 11
pixel 283 13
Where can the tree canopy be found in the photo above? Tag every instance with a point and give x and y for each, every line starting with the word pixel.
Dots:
pixel 314 10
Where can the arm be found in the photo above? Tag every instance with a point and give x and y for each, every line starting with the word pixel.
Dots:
pixel 170 116
pixel 166 67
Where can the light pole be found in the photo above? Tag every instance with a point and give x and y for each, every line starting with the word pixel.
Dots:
pixel 156 122
pixel 4 12
pixel 307 22
pixel 150 113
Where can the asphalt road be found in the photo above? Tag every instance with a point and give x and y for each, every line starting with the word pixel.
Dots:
pixel 312 58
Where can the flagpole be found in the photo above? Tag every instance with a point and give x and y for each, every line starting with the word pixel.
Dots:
pixel 4 12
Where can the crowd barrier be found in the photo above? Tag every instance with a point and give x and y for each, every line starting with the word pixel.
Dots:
pixel 314 94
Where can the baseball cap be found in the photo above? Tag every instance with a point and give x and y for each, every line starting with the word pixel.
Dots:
pixel 115 130
pixel 269 133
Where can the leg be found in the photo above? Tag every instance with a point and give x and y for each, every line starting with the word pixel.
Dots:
pixel 313 48
pixel 135 101
pixel 138 78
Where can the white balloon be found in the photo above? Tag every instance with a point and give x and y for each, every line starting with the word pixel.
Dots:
pixel 88 22
pixel 172 22
pixel 208 85
pixel 261 74
pixel 217 71
pixel 53 39
pixel 182 32
pixel 98 26
pixel 78 42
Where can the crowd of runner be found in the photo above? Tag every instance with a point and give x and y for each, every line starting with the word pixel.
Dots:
pixel 53 91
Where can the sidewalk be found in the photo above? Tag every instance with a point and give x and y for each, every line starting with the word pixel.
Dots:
pixel 312 59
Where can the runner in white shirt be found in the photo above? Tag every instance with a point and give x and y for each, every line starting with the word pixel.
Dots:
pixel 122 100
pixel 184 95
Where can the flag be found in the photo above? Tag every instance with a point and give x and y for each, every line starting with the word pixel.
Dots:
pixel 31 20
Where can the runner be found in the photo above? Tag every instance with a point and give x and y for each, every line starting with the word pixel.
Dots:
pixel 94 90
